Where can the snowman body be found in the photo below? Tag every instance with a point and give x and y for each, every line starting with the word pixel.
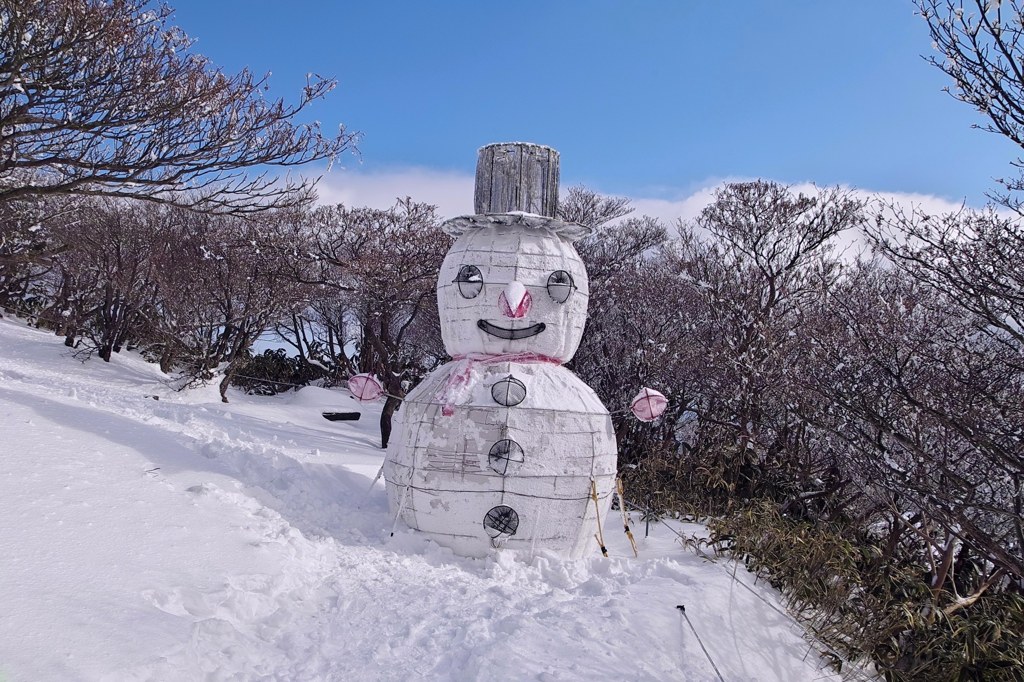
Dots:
pixel 504 447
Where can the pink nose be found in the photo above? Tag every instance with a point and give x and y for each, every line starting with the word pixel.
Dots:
pixel 514 300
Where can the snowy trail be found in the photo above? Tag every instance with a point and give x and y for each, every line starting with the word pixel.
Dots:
pixel 185 539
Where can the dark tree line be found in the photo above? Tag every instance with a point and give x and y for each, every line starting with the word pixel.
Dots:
pixel 349 290
pixel 873 402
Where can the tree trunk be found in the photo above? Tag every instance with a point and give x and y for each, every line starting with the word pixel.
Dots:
pixel 167 360
pixel 390 406
pixel 393 385
pixel 224 383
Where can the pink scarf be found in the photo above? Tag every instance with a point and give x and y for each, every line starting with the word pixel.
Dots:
pixel 460 382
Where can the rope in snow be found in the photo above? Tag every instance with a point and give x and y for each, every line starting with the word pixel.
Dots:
pixel 854 673
pixel 264 380
pixel 647 512
pixel 749 589
pixel 682 610
pixel 13 309
pixel 288 383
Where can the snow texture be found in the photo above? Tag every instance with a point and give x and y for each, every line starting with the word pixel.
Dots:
pixel 187 539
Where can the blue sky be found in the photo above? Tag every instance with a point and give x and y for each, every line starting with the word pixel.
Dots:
pixel 654 99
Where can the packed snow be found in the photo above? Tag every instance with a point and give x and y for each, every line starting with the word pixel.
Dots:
pixel 149 534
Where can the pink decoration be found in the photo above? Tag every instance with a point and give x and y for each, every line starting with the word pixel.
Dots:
pixel 456 390
pixel 648 404
pixel 365 387
pixel 515 300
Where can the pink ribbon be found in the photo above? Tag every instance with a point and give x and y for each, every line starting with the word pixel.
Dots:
pixel 456 390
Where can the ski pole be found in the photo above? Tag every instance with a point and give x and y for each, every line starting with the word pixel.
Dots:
pixel 599 536
pixel 401 508
pixel 625 516
pixel 362 500
pixel 682 610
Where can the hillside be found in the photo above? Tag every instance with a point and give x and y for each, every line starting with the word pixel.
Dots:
pixel 149 534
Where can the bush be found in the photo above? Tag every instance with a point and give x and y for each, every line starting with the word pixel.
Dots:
pixel 273 372
pixel 872 605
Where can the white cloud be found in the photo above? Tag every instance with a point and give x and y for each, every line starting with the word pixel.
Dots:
pixel 452 193
pixel 670 210
pixel 927 203
pixel 687 207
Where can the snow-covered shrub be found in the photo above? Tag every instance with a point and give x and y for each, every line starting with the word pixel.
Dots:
pixel 274 371
pixel 27 246
pixel 867 601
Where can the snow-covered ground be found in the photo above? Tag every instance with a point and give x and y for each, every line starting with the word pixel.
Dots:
pixel 147 534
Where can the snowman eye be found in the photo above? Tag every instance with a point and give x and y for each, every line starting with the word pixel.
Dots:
pixel 560 286
pixel 470 281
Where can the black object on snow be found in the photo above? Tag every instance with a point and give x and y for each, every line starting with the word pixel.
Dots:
pixel 341 416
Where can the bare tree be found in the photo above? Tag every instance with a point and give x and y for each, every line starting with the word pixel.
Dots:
pixel 633 326
pixel 112 242
pixel 377 273
pixel 587 207
pixel 27 245
pixel 981 48
pixel 221 282
pixel 975 257
pixel 756 258
pixel 948 361
pixel 108 98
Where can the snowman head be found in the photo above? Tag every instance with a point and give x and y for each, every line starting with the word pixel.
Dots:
pixel 513 283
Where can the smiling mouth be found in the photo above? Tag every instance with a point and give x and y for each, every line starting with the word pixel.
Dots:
pixel 512 334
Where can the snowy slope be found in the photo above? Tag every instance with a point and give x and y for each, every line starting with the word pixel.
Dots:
pixel 179 538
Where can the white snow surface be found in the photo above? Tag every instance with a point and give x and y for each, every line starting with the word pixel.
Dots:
pixel 180 538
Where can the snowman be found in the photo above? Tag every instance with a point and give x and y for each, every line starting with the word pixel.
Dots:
pixel 504 447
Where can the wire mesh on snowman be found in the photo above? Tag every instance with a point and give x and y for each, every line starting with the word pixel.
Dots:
pixel 499 447
pixel 504 447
